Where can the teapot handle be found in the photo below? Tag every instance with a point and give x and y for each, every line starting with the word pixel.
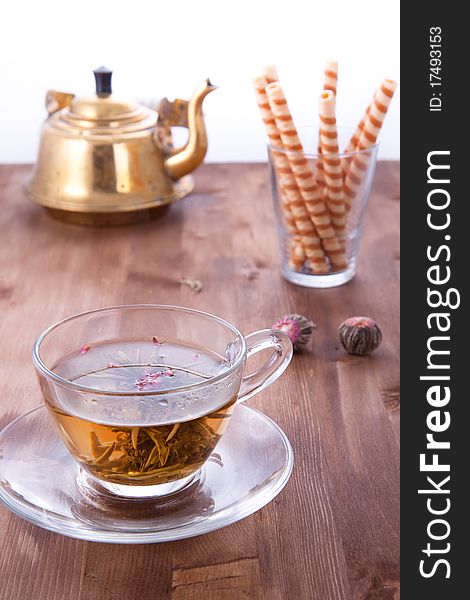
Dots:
pixel 170 114
pixel 56 101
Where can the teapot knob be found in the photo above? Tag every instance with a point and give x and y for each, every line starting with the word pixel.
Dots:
pixel 103 81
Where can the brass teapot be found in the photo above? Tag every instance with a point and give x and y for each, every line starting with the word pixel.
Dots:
pixel 104 160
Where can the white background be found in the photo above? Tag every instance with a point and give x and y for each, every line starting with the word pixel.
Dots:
pixel 159 48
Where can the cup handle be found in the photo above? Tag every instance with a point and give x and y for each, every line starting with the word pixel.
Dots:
pixel 273 367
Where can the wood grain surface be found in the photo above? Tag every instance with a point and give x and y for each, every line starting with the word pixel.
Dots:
pixel 333 532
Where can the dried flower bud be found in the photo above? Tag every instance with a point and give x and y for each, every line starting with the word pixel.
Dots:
pixel 359 335
pixel 298 328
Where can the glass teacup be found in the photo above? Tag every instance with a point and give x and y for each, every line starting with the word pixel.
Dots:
pixel 141 394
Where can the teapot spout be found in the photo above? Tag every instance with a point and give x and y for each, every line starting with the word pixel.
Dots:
pixel 191 155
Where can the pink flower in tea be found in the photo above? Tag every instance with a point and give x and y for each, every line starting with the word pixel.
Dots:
pixel 152 377
pixel 169 373
pixel 148 379
pixel 196 356
pixel 85 348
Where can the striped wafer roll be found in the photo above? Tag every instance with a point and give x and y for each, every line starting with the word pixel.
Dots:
pixel 373 124
pixel 310 241
pixel 308 235
pixel 356 136
pixel 259 83
pixel 297 254
pixel 304 178
pixel 332 163
pixel 331 76
pixel 270 73
pixel 296 217
pixel 288 216
pixel 320 175
pixel 315 248
pixel 354 142
pixel 335 252
pixel 330 82
pixel 378 110
pixel 300 168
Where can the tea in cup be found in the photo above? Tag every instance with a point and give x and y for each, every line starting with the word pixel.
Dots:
pixel 141 394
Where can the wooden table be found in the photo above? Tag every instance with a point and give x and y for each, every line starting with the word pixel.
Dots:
pixel 333 532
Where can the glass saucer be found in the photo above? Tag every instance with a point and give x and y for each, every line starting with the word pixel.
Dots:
pixel 40 482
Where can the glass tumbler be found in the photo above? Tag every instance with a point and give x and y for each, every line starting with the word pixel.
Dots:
pixel 299 243
pixel 141 394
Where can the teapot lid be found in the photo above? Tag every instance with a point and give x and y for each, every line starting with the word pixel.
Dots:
pixel 104 111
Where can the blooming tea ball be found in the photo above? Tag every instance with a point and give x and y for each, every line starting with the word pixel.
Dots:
pixel 298 328
pixel 360 335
